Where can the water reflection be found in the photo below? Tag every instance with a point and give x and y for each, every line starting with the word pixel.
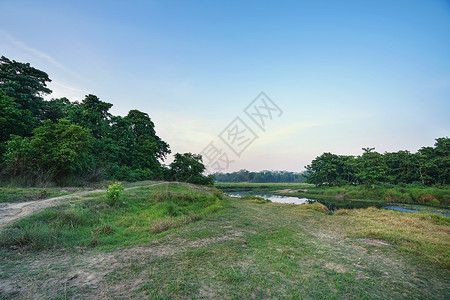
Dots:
pixel 274 198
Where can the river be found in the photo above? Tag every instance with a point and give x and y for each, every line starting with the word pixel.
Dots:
pixel 347 204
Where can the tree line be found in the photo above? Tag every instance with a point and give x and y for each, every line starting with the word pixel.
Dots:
pixel 429 165
pixel 260 177
pixel 66 142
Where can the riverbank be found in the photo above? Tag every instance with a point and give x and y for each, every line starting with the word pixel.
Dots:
pixel 437 196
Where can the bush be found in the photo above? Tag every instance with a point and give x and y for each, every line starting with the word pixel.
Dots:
pixel 113 193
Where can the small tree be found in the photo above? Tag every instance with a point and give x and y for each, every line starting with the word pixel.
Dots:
pixel 113 193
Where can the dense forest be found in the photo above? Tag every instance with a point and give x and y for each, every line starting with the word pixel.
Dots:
pixel 429 165
pixel 260 177
pixel 68 142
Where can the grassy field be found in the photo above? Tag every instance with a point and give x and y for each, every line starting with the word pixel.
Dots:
pixel 243 249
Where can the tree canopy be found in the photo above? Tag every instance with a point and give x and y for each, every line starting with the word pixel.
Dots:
pixel 430 165
pixel 61 141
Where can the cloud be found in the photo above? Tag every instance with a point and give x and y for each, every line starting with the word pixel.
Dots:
pixel 33 51
pixel 62 90
pixel 59 89
pixel 283 133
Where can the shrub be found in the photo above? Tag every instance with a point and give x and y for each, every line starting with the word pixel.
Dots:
pixel 113 193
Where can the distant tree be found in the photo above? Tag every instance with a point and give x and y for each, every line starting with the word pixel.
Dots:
pixel 260 177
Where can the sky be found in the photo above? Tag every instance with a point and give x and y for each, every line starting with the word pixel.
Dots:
pixel 342 75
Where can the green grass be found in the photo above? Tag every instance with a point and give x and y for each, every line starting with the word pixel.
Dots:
pixel 139 215
pixel 17 194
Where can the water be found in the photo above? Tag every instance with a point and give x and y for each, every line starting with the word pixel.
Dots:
pixel 273 198
pixel 347 204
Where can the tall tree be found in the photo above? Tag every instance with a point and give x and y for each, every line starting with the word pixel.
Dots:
pixel 25 84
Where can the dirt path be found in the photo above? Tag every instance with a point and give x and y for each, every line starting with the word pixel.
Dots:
pixel 10 212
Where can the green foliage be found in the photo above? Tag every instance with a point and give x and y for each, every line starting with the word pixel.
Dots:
pixel 25 85
pixel 113 193
pixel 430 165
pixel 189 167
pixel 55 151
pixel 36 147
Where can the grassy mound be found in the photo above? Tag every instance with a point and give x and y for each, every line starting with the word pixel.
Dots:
pixel 316 206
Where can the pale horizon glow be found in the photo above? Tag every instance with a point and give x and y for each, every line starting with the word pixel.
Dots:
pixel 346 74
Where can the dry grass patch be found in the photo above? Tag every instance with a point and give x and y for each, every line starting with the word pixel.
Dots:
pixel 316 206
pixel 423 234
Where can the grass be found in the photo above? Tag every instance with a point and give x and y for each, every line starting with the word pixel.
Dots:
pixel 424 235
pixel 316 206
pixel 248 250
pixel 13 193
pixel 17 194
pixel 255 199
pixel 136 218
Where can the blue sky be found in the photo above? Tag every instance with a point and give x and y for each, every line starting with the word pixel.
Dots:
pixel 347 74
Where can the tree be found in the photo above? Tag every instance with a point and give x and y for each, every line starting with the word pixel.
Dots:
pixel 189 167
pixel 25 84
pixel 55 151
pixel 145 136
pixel 371 167
pixel 13 120
pixel 325 169
pixel 401 167
pixel 55 109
